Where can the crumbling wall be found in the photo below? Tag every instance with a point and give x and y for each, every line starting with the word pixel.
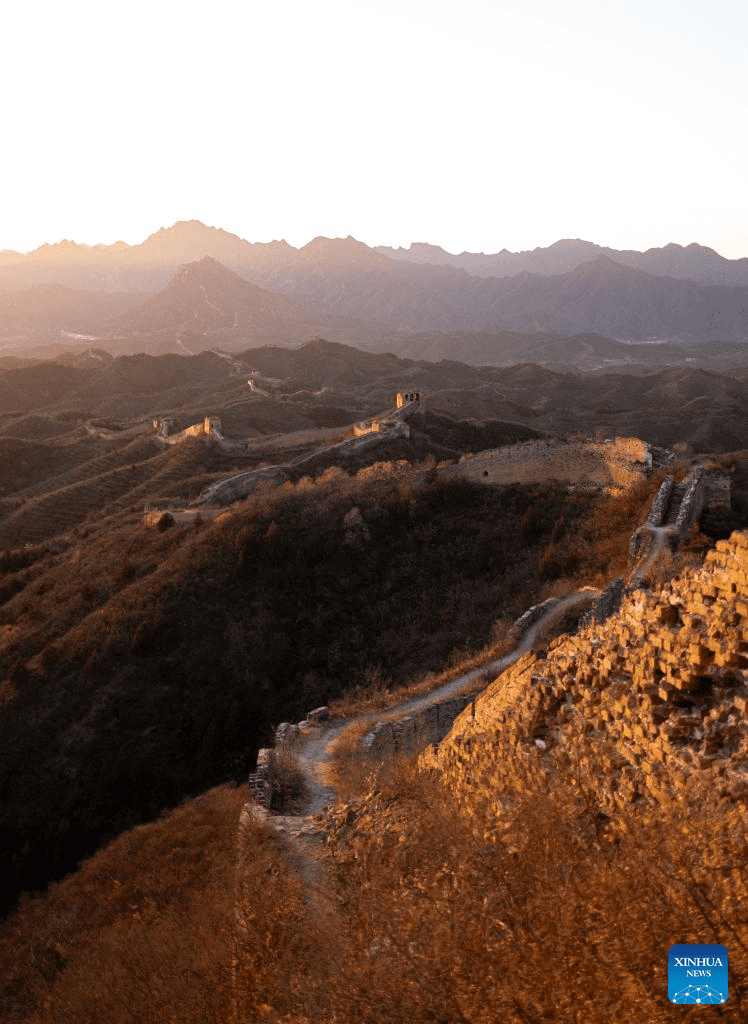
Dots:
pixel 657 691
pixel 208 427
pixel 621 463
pixel 387 425
pixel 264 781
pixel 607 603
pixel 660 502
pixel 641 539
pixel 718 489
pixel 234 488
pixel 692 504
pixel 413 732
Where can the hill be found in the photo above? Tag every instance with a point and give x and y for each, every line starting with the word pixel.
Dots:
pixel 28 311
pixel 206 301
pixel 592 797
pixel 162 659
pixel 77 438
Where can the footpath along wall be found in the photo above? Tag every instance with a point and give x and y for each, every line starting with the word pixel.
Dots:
pixel 659 690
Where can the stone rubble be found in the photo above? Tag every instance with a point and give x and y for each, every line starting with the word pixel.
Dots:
pixel 286 734
pixel 659 691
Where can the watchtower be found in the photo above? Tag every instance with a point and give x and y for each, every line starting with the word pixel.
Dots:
pixel 407 398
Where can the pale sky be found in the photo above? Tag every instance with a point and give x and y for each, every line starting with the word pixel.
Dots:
pixel 471 124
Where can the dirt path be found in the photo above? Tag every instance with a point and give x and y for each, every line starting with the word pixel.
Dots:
pixel 661 535
pixel 315 750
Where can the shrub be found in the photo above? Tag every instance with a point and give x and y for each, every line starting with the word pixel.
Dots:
pixel 285 777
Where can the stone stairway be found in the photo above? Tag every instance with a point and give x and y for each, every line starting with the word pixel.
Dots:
pixel 676 497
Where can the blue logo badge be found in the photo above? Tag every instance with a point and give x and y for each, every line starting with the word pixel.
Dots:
pixel 697 973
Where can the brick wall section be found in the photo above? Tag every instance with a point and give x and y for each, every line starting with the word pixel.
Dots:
pixel 657 691
pixel 606 604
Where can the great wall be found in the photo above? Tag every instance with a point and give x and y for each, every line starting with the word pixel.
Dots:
pixel 639 702
pixel 424 722
pixel 658 683
pixel 618 462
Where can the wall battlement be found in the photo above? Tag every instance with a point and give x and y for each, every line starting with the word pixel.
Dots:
pixel 209 427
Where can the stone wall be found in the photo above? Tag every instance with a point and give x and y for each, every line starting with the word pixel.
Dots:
pixel 413 732
pixel 234 488
pixel 691 505
pixel 209 427
pixel 621 462
pixel 688 500
pixel 606 604
pixel 386 425
pixel 658 690
pixel 660 502
pixel 718 489
pixel 264 780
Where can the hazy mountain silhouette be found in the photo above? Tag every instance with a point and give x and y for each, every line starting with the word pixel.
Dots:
pixel 572 287
pixel 694 262
pixel 28 309
pixel 205 296
pixel 601 297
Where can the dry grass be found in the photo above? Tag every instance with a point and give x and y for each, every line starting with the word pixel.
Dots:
pixel 545 912
pixel 378 696
pixel 351 771
pixel 286 778
pixel 549 912
pixel 142 931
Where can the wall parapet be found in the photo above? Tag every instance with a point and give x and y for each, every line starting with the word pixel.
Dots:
pixel 692 504
pixel 606 604
pixel 414 731
pixel 660 502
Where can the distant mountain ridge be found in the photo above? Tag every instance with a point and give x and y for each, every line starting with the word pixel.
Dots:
pixel 188 241
pixel 349 289
pixel 694 262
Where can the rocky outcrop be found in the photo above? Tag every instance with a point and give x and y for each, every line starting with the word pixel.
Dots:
pixel 656 692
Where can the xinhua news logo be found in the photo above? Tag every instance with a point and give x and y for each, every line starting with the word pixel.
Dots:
pixel 697 973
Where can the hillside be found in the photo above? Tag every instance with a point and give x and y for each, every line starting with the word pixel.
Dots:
pixel 601 297
pixel 161 660
pixel 77 440
pixel 206 301
pixel 592 797
pixel 44 310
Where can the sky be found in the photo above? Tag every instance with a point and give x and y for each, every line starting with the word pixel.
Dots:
pixel 472 124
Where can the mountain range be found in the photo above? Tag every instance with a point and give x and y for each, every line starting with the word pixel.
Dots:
pixel 191 287
pixel 694 262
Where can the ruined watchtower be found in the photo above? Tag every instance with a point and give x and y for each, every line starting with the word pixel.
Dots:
pixel 407 398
